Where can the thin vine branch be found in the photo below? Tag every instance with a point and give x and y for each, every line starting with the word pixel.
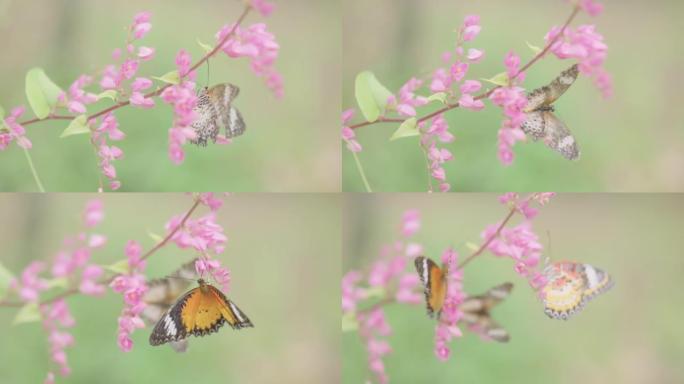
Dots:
pixel 106 281
pixel 448 107
pixel 116 106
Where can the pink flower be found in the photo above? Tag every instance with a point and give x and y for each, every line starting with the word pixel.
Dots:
pixel 89 285
pixel 78 98
pixel 202 234
pixel 139 100
pixel 183 62
pixel 407 99
pixel 30 285
pixel 141 25
pixel 447 328
pixel 183 98
pixel 141 84
pixel 210 201
pixel 592 7
pixel 349 137
pixel 93 213
pixel 132 286
pixel 263 7
pixel 410 223
pixel 468 102
pixel 470 28
pixel 213 268
pixel 512 100
pixel 371 326
pixel 145 53
pixel 56 318
pixel 260 47
pixel 475 55
pixel 351 294
pixel 407 292
pixel 129 68
pixel 16 131
pixel 586 46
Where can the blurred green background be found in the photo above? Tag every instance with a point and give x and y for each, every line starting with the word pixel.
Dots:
pixel 286 146
pixel 632 334
pixel 631 142
pixel 284 256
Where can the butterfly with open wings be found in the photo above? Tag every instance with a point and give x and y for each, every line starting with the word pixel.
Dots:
pixel 570 286
pixel 541 123
pixel 200 311
pixel 215 109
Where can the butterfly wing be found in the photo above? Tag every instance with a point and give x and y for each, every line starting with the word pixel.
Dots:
pixel 546 95
pixel 229 117
pixel 570 286
pixel 206 124
pixel 533 126
pixel 476 312
pixel 174 324
pixel 558 137
pixel 232 314
pixel 434 283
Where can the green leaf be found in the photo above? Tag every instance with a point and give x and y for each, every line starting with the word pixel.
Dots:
pixel 208 48
pixel 157 239
pixel 77 126
pixel 407 129
pixel 58 282
pixel 534 48
pixel 371 95
pixel 439 96
pixel 472 246
pixel 498 79
pixel 27 314
pixel 120 267
pixel 5 278
pixel 110 94
pixel 41 92
pixel 349 322
pixel 170 77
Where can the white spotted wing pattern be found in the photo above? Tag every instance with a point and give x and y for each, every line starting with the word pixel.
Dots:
pixel 542 124
pixel 215 110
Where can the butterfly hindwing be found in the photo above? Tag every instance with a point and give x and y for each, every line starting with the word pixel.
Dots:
pixel 570 286
pixel 434 282
pixel 558 137
pixel 214 110
pixel 206 124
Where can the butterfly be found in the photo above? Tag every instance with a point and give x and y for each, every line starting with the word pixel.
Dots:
pixel 214 109
pixel 162 294
pixel 570 286
pixel 541 123
pixel 434 282
pixel 476 312
pixel 201 311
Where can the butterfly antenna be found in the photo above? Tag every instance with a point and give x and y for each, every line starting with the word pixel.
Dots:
pixel 178 277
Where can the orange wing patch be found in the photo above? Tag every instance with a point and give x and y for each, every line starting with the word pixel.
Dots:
pixel 199 312
pixel 434 283
pixel 570 286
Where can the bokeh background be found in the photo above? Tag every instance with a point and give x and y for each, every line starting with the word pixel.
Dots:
pixel 631 334
pixel 283 252
pixel 631 142
pixel 286 146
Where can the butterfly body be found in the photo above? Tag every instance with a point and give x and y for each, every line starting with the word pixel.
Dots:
pixel 570 286
pixel 214 110
pixel 542 124
pixel 201 311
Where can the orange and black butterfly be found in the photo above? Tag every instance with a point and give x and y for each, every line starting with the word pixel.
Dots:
pixel 162 294
pixel 540 121
pixel 475 308
pixel 201 311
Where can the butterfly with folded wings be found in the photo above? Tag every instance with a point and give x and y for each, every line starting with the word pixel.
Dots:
pixel 542 124
pixel 215 109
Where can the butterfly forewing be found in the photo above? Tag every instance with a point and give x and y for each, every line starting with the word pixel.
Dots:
pixel 541 123
pixel 434 283
pixel 214 110
pixel 476 314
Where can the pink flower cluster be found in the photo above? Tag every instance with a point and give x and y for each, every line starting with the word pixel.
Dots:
pixel 259 45
pixel 202 234
pixel 108 129
pixel 15 131
pixel 586 46
pixel 458 62
pixel 182 97
pixel 56 319
pixel 520 243
pixel 372 326
pixel 30 285
pixel 512 100
pixel 592 7
pixel 447 328
pixel 348 134
pixel 351 294
pixel 407 98
pixel 132 286
pixel 78 98
pixel 210 200
pixel 438 131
